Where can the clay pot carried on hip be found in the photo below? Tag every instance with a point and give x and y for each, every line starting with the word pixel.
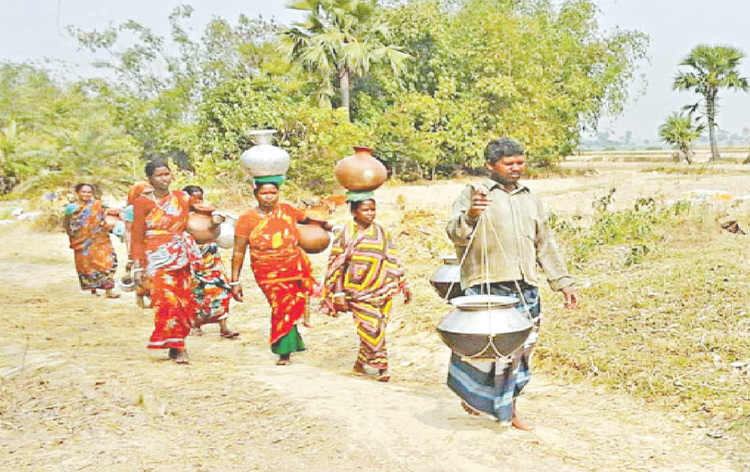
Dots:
pixel 360 171
pixel 111 217
pixel 201 224
pixel 313 238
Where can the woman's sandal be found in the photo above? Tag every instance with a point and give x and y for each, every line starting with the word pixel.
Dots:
pixel 182 357
pixel 229 334
pixel 284 362
pixel 359 369
pixel 384 376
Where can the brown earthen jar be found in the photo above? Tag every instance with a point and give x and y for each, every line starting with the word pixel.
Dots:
pixel 313 238
pixel 201 224
pixel 360 171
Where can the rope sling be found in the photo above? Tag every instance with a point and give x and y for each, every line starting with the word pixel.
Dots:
pixel 485 263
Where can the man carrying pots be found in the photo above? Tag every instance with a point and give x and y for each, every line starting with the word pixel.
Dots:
pixel 501 233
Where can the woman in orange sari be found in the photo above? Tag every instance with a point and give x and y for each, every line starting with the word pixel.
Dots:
pixel 281 268
pixel 95 258
pixel 162 248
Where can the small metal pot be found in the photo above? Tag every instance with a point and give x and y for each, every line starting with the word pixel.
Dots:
pixel 447 278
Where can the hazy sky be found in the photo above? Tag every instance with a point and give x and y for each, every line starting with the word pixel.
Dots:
pixel 31 30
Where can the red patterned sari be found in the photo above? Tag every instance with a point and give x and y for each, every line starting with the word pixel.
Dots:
pixel 95 257
pixel 159 240
pixel 282 269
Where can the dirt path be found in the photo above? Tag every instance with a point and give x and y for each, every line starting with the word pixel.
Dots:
pixel 78 391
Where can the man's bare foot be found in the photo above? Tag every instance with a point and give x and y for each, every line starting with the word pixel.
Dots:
pixel 518 423
pixel 111 294
pixel 468 409
pixel 94 292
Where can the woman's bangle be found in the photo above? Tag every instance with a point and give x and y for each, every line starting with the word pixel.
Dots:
pixel 339 295
pixel 137 269
pixel 235 283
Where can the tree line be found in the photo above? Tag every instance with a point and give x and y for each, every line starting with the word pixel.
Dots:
pixel 426 82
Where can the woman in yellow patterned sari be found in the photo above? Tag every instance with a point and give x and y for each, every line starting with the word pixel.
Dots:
pixel 281 268
pixel 363 277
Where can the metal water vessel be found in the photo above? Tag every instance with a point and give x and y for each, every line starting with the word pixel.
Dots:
pixel 485 326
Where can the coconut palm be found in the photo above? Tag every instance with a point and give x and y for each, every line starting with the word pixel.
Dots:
pixel 713 68
pixel 340 39
pixel 680 130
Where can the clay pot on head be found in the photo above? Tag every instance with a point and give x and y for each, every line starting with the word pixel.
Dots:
pixel 361 171
pixel 201 224
pixel 313 238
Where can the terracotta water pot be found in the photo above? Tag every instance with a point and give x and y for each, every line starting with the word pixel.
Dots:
pixel 313 238
pixel 360 171
pixel 110 221
pixel 201 224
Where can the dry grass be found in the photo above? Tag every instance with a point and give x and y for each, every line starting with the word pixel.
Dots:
pixel 655 335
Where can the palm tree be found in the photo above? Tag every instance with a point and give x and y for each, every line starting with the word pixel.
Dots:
pixel 713 68
pixel 680 131
pixel 340 39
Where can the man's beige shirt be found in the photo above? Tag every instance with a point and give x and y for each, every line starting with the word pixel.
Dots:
pixel 508 241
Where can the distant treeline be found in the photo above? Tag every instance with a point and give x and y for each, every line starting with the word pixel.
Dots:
pixel 426 82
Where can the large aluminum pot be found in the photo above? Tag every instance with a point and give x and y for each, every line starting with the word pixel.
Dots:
pixel 447 278
pixel 265 159
pixel 485 326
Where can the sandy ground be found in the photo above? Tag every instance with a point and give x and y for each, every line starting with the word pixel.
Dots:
pixel 79 391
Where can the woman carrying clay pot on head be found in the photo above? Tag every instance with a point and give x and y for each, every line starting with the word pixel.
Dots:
pixel 363 277
pixel 163 250
pixel 212 291
pixel 95 258
pixel 281 268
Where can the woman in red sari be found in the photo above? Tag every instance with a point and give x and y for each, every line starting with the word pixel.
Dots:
pixel 161 247
pixel 95 258
pixel 281 268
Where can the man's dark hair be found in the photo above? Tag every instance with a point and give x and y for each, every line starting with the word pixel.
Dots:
pixel 155 164
pixel 500 148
